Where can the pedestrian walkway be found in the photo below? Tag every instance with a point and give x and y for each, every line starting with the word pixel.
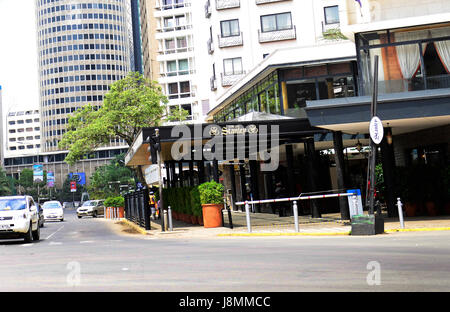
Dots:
pixel 273 225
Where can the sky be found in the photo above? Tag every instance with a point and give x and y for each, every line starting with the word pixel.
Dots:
pixel 18 55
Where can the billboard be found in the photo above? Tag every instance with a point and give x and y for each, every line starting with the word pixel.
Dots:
pixel 50 179
pixel 38 173
pixel 79 177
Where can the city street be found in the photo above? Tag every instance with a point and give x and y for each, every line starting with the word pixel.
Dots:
pixel 88 255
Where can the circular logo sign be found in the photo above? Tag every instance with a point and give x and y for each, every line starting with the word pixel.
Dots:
pixel 376 130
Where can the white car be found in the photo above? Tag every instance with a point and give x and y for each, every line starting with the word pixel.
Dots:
pixel 19 218
pixel 53 210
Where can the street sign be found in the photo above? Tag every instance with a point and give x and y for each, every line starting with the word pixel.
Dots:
pixel 376 130
pixel 73 186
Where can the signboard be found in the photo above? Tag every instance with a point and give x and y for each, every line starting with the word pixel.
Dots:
pixel 38 173
pixel 50 179
pixel 79 177
pixel 376 130
pixel 73 186
pixel 355 208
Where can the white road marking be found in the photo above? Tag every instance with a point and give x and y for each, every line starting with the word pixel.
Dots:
pixel 86 242
pixel 55 232
pixel 55 243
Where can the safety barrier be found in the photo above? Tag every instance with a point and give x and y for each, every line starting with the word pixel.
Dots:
pixel 288 199
pixel 137 208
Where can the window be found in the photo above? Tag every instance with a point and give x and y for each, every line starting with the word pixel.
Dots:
pixel 331 14
pixel 232 66
pixel 229 28
pixel 276 22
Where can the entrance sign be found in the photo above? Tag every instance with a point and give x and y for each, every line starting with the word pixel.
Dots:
pixel 376 130
pixel 355 207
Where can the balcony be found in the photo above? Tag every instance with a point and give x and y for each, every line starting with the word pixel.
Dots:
pixel 227 4
pixel 229 80
pixel 268 1
pixel 210 44
pixel 213 83
pixel 172 6
pixel 208 9
pixel 231 41
pixel 277 35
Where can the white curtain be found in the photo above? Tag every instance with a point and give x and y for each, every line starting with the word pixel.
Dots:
pixel 409 55
pixel 443 47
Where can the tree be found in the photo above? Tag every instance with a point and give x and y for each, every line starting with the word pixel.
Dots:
pixel 106 180
pixel 131 104
pixel 5 184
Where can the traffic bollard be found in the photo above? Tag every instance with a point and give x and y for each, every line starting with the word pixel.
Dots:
pixel 295 208
pixel 400 212
pixel 247 213
pixel 170 219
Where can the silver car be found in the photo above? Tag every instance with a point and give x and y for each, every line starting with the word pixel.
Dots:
pixel 92 208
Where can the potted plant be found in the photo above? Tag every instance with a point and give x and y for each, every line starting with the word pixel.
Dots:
pixel 196 205
pixel 211 198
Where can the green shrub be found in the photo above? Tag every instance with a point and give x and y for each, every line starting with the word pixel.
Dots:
pixel 196 204
pixel 117 201
pixel 211 193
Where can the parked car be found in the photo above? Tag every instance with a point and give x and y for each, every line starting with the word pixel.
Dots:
pixel 41 215
pixel 53 210
pixel 19 218
pixel 92 208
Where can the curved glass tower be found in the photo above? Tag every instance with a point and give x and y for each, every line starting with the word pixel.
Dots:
pixel 83 48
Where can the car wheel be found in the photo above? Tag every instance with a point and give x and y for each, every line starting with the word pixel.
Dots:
pixel 79 217
pixel 61 219
pixel 28 238
pixel 94 214
pixel 37 234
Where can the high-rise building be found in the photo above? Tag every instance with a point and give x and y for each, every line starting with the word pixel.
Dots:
pixel 23 133
pixel 83 47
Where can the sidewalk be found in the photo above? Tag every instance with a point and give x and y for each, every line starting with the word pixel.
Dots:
pixel 273 225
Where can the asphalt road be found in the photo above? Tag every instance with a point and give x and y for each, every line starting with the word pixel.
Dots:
pixel 86 255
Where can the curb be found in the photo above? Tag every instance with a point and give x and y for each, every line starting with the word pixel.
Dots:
pixel 418 230
pixel 286 234
pixel 134 226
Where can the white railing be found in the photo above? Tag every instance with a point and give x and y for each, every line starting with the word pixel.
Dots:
pixel 230 41
pixel 277 35
pixel 227 4
pixel 288 199
pixel 229 80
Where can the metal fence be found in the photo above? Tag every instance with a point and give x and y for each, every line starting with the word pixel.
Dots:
pixel 137 208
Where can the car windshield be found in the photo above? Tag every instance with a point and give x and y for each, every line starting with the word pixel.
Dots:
pixel 90 203
pixel 51 205
pixel 12 204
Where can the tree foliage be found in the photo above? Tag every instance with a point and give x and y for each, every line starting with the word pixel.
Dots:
pixel 131 104
pixel 105 181
pixel 5 184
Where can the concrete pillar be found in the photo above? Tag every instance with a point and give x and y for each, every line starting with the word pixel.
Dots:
pixel 313 177
pixel 388 163
pixel 340 172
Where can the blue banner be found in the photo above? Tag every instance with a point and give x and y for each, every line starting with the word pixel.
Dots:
pixel 79 177
pixel 38 173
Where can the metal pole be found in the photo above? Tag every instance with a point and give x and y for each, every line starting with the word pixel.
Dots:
pixel 373 147
pixel 295 208
pixel 161 197
pixel 170 219
pixel 400 212
pixel 247 213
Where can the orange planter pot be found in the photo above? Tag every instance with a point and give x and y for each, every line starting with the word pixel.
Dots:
pixel 212 216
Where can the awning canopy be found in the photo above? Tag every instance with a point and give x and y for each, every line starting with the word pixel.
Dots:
pixel 288 130
pixel 405 112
